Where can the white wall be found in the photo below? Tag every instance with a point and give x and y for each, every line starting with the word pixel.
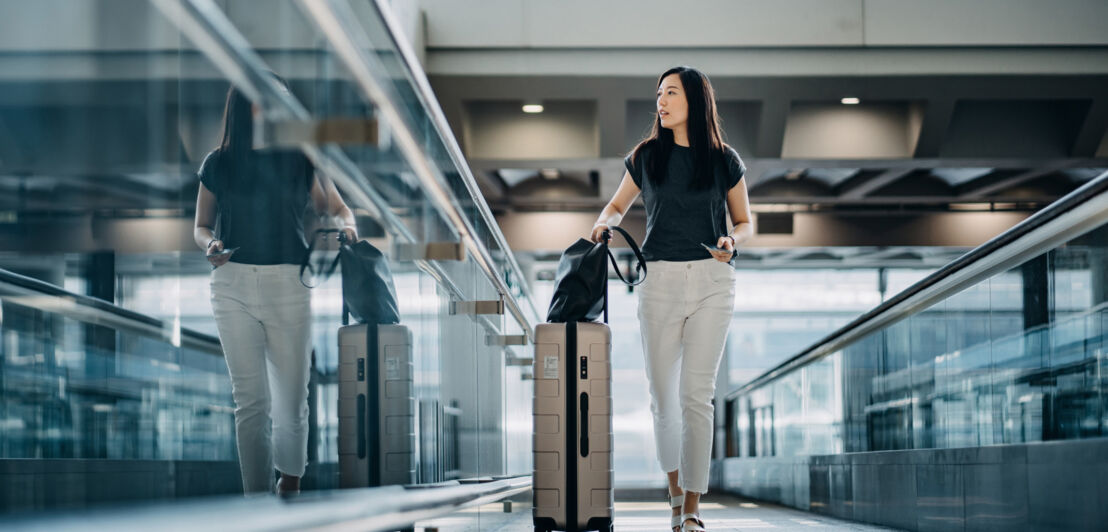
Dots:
pixel 408 14
pixel 986 22
pixel 762 23
pixel 619 23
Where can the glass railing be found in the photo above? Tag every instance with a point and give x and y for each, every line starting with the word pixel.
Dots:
pixel 111 116
pixel 374 509
pixel 81 378
pixel 1007 344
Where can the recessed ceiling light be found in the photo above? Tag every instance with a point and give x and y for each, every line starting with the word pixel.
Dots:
pixel 851 101
pixel 532 107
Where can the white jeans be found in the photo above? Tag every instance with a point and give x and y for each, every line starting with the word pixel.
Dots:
pixel 264 319
pixel 685 309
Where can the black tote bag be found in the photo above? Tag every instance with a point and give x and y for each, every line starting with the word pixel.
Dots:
pixel 582 278
pixel 367 288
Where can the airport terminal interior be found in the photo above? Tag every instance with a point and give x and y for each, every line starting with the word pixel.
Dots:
pixel 919 336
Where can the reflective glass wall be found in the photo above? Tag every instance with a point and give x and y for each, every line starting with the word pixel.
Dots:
pixel 1018 357
pixel 109 349
pixel 780 312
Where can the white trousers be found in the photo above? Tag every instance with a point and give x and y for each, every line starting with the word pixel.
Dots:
pixel 685 309
pixel 264 318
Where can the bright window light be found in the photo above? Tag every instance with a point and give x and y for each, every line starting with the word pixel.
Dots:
pixel 851 101
pixel 532 108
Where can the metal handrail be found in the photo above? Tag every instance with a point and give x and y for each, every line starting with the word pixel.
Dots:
pixel 438 118
pixel 366 509
pixel 1076 213
pixel 214 34
pixel 338 23
pixel 40 295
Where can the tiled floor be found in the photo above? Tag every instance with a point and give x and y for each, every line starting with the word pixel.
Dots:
pixel 721 513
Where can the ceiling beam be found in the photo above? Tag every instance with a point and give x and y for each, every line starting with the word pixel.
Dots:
pixel 612 124
pixel 771 127
pixel 1092 130
pixel 493 179
pixel 876 183
pixel 936 120
pixel 981 192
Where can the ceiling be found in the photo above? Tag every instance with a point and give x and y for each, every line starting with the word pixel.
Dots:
pixel 913 143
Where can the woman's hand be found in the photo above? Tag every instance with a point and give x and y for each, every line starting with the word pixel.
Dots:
pixel 598 232
pixel 215 246
pixel 351 234
pixel 727 243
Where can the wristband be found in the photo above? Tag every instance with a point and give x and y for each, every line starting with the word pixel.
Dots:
pixel 733 243
pixel 210 244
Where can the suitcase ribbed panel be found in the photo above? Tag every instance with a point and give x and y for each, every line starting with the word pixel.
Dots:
pixel 389 433
pixel 552 366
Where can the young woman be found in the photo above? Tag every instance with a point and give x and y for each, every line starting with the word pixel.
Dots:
pixel 263 312
pixel 690 180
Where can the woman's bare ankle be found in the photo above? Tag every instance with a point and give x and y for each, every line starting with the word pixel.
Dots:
pixel 674 489
pixel 692 503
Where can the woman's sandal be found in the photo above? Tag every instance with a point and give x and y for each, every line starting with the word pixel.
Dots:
pixel 696 526
pixel 282 492
pixel 676 502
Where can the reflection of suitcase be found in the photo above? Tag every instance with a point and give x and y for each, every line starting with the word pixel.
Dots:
pixel 376 406
pixel 572 419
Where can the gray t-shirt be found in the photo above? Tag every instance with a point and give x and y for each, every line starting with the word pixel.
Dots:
pixel 261 205
pixel 679 218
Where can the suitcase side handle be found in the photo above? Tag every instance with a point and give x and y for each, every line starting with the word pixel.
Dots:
pixel 584 424
pixel 361 427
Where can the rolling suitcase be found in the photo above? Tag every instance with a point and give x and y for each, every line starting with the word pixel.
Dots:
pixel 377 406
pixel 572 446
pixel 572 432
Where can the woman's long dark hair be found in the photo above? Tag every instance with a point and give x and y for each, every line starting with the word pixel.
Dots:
pixel 238 123
pixel 238 126
pixel 705 138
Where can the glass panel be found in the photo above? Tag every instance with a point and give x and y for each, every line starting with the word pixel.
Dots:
pixel 1018 357
pixel 889 411
pixel 860 376
pixel 822 407
pixel 781 312
pixel 1075 397
pixel 928 341
pixel 72 390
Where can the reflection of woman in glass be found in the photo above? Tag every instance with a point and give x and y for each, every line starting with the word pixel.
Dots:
pixel 690 180
pixel 263 312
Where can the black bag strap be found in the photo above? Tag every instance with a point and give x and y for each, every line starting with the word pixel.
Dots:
pixel 640 267
pixel 324 269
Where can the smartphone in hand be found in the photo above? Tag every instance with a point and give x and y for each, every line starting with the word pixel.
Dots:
pixel 714 248
pixel 225 253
